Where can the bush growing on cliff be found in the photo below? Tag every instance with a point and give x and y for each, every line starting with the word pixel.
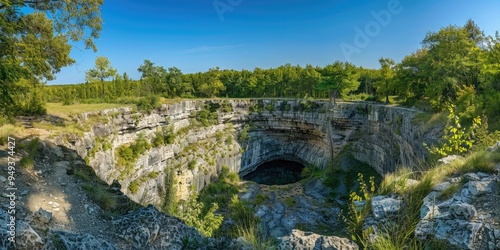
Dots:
pixel 130 153
pixel 192 164
pixel 221 190
pixel 208 115
pixel 192 213
pixel 169 203
pixel 244 134
pixel 164 136
pixel 456 139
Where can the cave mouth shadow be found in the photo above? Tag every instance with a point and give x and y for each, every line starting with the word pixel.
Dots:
pixel 276 172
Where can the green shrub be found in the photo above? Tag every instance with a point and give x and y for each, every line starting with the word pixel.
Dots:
pixel 219 135
pixel 193 215
pixel 169 201
pixel 356 216
pixel 126 153
pixel 226 107
pixel 222 189
pixel 192 164
pixel 289 202
pixel 311 171
pixel 260 199
pixel 147 104
pixel 134 186
pixel 208 115
pixel 285 106
pixel 456 139
pixel 107 145
pixel 270 107
pixel 229 140
pixel 27 162
pixel 244 134
pixel 153 175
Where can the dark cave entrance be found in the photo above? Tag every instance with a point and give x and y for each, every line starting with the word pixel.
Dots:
pixel 277 172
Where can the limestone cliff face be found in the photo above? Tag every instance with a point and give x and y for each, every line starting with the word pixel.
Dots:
pixel 246 134
pixel 382 136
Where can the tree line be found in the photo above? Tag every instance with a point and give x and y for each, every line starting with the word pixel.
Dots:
pixel 456 65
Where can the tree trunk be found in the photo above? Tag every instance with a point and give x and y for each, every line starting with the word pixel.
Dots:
pixel 386 92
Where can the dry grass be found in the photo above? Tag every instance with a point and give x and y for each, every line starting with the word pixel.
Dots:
pixel 429 120
pixel 9 130
pixel 65 111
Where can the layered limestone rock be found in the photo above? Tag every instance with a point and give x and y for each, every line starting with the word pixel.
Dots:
pixel 246 134
pixel 465 220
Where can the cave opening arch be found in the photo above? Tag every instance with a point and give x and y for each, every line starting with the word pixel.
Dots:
pixel 276 171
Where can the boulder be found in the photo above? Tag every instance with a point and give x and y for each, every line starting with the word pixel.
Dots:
pixel 26 237
pixel 148 228
pixel 477 188
pixel 69 240
pixel 464 211
pixel 384 207
pixel 42 217
pixel 307 240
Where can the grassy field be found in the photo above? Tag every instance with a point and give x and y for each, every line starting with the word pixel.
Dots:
pixel 64 111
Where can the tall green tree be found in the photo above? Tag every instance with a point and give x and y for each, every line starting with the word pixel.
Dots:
pixel 451 64
pixel 102 70
pixel 339 78
pixel 153 78
pixel 386 75
pixel 213 85
pixel 411 79
pixel 309 79
pixel 35 35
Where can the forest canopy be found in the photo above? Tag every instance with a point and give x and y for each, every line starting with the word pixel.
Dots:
pixel 34 45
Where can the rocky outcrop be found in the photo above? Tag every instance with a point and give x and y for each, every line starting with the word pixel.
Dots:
pixel 147 228
pixel 307 240
pixel 463 220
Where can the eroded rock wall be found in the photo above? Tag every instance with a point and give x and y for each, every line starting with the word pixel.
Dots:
pixel 247 134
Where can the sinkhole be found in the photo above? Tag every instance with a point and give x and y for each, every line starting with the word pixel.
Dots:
pixel 276 172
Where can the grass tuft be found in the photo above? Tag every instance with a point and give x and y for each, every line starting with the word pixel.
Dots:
pixel 8 130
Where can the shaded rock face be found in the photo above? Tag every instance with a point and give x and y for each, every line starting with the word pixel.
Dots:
pixel 276 172
pixel 381 136
pixel 147 228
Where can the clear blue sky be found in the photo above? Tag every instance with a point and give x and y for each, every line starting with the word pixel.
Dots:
pixel 194 35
